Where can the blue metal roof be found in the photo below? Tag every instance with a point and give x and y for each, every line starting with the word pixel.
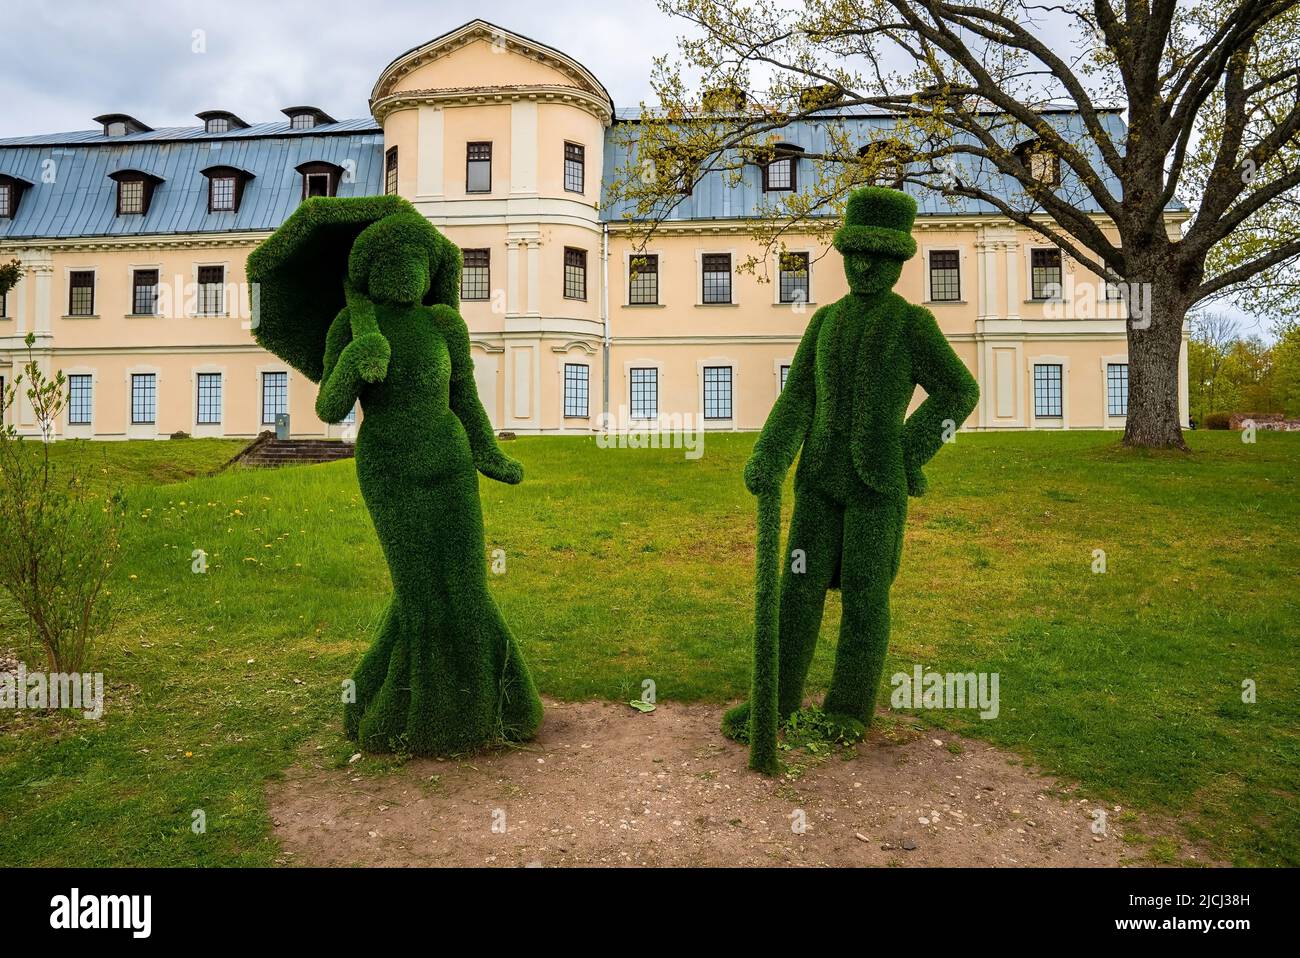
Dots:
pixel 72 196
pixel 716 197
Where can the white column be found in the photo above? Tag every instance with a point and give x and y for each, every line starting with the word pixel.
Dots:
pixel 534 277
pixel 512 277
pixel 429 151
pixel 1013 279
pixel 523 148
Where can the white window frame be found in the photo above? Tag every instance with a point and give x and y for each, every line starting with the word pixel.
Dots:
pixel 1049 422
pixel 207 430
pixel 659 387
pixel 225 290
pixel 1109 421
pixel 699 277
pixel 145 430
pixel 711 361
pixel 776 286
pixel 961 275
pixel 81 430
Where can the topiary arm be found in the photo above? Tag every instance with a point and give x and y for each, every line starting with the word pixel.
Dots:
pixel 339 384
pixel 951 395
pixel 488 457
pixel 788 422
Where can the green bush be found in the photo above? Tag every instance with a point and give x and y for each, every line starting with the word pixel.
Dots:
pixel 1218 420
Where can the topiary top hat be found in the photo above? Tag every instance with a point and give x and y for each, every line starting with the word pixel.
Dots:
pixel 877 220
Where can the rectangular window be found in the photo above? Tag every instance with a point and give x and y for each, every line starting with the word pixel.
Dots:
pixel 717 277
pixel 785 374
pixel 144 292
pixel 645 393
pixel 475 274
pixel 275 396
pixel 575 161
pixel 779 176
pixel 478 168
pixel 1047 390
pixel 1112 291
pixel 576 381
pixel 1117 389
pixel 209 405
pixel 6 205
pixel 945 276
pixel 4 305
pixel 316 184
pixel 575 273
pixel 717 392
pixel 130 196
pixel 302 121
pixel 1045 273
pixel 351 417
pixel 794 278
pixel 80 402
pixel 211 299
pixel 81 293
pixel 390 170
pixel 643 280
pixel 221 194
pixel 144 398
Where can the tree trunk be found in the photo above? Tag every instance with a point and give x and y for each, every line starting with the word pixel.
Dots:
pixel 1154 345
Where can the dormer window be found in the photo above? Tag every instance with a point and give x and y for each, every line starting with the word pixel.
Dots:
pixel 1044 165
pixel 11 191
pixel 320 179
pixel 225 188
pixel 134 191
pixel 220 121
pixel 119 124
pixel 306 117
pixel 781 172
pixel 886 161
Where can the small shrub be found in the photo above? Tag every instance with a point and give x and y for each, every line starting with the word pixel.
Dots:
pixel 1218 420
pixel 59 542
pixel 180 434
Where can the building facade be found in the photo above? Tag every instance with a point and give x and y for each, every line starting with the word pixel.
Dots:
pixel 133 242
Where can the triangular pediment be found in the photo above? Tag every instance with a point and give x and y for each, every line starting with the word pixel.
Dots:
pixel 482 55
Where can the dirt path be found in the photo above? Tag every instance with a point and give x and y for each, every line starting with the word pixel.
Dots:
pixel 606 785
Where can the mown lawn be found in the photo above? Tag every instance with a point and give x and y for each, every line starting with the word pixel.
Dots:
pixel 623 565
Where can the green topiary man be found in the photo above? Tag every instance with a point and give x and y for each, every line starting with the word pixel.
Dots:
pixel 360 295
pixel 845 403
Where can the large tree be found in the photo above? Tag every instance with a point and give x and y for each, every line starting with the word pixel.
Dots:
pixel 1016 105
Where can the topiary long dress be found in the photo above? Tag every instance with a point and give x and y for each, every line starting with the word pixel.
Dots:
pixel 444 673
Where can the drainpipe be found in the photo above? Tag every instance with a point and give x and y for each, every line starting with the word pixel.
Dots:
pixel 604 318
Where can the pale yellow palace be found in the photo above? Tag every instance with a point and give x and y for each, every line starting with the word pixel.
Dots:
pixel 134 241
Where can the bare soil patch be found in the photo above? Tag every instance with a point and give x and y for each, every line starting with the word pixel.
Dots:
pixel 604 784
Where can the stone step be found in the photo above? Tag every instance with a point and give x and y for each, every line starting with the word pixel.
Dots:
pixel 267 452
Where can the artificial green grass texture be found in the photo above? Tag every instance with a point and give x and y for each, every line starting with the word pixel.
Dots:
pixel 636 564
pixel 444 674
pixel 845 406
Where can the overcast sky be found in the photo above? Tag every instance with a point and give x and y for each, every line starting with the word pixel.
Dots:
pixel 65 62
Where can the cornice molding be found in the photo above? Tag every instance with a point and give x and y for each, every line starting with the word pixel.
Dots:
pixel 111 243
pixel 595 104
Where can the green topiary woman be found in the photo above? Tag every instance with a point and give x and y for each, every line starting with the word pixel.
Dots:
pixel 845 404
pixel 360 295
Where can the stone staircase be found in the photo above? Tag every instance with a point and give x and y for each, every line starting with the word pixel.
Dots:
pixel 267 452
